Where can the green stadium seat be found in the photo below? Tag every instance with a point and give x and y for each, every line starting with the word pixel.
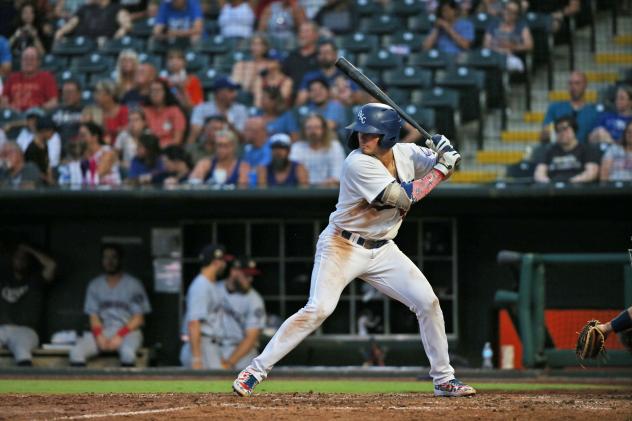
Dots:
pixel 65 75
pixel 52 63
pixel 92 63
pixel 115 45
pixel 381 25
pixel 76 46
pixel 224 63
pixel 359 42
pixel 195 61
pixel 411 40
pixel 211 27
pixel 143 28
pixel 444 102
pixel 155 46
pixel 400 96
pixel 421 24
pixel 214 45
pixel 408 77
pixel 152 59
pixel 407 8
pixel 493 64
pixel 207 78
pixel 481 22
pixel 93 78
pixel 368 7
pixel 382 60
pixel 424 116
pixel 432 60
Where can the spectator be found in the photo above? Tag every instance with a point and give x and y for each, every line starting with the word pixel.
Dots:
pixel 205 147
pixel 97 19
pixel 147 163
pixel 256 150
pixel 29 32
pixel 177 166
pixel 275 116
pixel 273 77
pixel 137 9
pixel 320 153
pixel 14 172
pixel 610 125
pixel 281 171
pixel 187 88
pixel 585 114
pixel 280 19
pixel 327 70
pixel 236 19
pixel 201 348
pixel 29 87
pixel 116 303
pixel 29 128
pixel 491 7
pixel 139 94
pixel 164 118
pixel 179 19
pixel 5 58
pixel 226 168
pixel 67 116
pixel 45 149
pixel 303 59
pixel 115 115
pixel 245 72
pixel 558 9
pixel 223 103
pixel 243 314
pixel 127 140
pixel 312 7
pixel 125 73
pixel 616 164
pixel 101 163
pixel 70 170
pixel 568 160
pixel 450 34
pixel 320 102
pixel 510 36
pixel 22 301
pixel 66 9
pixel 338 16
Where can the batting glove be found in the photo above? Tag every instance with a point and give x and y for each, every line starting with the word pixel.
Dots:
pixel 439 143
pixel 448 161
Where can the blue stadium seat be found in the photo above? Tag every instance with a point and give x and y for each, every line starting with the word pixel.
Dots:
pixel 75 46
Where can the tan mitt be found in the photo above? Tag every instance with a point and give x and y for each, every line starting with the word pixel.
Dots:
pixel 590 343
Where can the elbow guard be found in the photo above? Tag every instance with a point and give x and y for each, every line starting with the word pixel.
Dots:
pixel 395 195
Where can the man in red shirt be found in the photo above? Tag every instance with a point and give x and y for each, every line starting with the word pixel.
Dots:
pixel 29 87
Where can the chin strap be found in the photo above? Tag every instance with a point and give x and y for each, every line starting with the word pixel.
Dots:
pixel 420 188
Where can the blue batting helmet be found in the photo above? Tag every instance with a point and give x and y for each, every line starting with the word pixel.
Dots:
pixel 377 119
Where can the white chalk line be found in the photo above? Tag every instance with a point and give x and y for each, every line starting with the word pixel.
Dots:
pixel 123 414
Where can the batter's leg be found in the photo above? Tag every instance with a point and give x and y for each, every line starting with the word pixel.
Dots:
pixel 337 262
pixel 22 340
pixel 395 275
pixel 84 349
pixel 131 343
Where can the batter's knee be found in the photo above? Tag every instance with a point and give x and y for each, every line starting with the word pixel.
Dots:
pixel 426 306
pixel 317 313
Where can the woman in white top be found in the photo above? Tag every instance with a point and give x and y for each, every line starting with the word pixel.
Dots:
pixel 127 140
pixel 100 163
pixel 236 19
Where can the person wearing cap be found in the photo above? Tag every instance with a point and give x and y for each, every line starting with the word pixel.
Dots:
pixel 201 349
pixel 281 171
pixel 243 314
pixel 45 149
pixel 223 103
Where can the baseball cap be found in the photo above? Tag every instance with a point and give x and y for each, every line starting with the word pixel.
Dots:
pixel 34 112
pixel 247 265
pixel 45 122
pixel 280 140
pixel 225 83
pixel 212 252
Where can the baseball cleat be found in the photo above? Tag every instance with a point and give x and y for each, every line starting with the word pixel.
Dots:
pixel 453 388
pixel 245 383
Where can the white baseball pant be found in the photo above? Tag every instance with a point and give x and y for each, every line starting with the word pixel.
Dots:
pixel 20 340
pixel 86 347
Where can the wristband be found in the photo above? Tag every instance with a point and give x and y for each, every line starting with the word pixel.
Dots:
pixel 621 322
pixel 96 331
pixel 123 331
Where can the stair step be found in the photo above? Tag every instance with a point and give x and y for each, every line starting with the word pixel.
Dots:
pixel 613 58
pixel 498 157
pixel 473 177
pixel 511 136
pixel 623 39
pixel 563 95
pixel 533 117
pixel 601 77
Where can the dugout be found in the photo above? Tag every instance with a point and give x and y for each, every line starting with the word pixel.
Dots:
pixel 467 225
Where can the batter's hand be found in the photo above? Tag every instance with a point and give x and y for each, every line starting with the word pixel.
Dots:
pixel 439 143
pixel 447 162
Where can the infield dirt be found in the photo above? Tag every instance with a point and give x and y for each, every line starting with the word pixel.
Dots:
pixel 405 406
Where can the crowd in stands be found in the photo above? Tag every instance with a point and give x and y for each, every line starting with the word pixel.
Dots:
pixel 197 92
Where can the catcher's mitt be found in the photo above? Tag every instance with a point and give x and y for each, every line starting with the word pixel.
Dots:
pixel 590 343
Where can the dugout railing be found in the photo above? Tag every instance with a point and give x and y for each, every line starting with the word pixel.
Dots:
pixel 530 298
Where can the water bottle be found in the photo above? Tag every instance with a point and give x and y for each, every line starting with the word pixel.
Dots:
pixel 252 178
pixel 487 356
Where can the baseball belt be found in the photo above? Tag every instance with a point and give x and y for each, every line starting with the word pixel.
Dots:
pixel 367 244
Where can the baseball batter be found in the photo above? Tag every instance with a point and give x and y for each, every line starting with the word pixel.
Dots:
pixel 380 181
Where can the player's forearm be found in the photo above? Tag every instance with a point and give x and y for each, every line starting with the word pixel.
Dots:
pixel 95 325
pixel 195 339
pixel 420 188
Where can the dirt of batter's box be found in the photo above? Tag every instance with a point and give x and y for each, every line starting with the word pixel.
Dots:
pixel 316 406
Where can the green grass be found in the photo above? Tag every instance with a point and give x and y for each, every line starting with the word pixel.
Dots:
pixel 272 386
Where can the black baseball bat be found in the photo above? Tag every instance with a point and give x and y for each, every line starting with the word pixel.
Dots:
pixel 367 84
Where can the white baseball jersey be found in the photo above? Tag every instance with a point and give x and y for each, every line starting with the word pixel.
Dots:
pixel 364 177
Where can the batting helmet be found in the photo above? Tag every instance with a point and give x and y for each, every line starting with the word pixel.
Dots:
pixel 377 119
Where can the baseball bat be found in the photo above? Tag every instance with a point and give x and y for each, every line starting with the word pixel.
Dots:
pixel 367 84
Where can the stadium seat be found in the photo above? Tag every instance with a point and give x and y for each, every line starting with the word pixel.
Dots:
pixel 407 8
pixel 400 96
pixel 53 63
pixel 154 60
pixel 195 61
pixel 408 77
pixel 382 60
pixel 87 97
pixel 368 8
pixel 211 27
pixel 470 83
pixel 445 103
pixel 494 65
pixel 224 63
pixel 115 45
pixel 422 24
pixel 93 78
pixel 76 46
pixel 71 75
pixel 381 25
pixel 424 116
pixel 143 28
pixel 358 42
pixel 207 78
pixel 155 46
pixel 410 40
pixel 481 22
pixel 92 63
pixel 214 45
pixel 541 26
pixel 432 60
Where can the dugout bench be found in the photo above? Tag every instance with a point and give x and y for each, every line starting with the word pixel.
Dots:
pixel 58 358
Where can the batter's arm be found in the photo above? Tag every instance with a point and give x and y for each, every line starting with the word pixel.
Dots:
pixel 244 347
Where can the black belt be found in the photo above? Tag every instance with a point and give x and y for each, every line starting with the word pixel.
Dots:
pixel 367 244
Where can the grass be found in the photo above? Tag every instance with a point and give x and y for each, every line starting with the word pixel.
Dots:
pixel 273 386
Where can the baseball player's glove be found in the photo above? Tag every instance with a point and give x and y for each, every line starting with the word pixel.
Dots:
pixel 590 343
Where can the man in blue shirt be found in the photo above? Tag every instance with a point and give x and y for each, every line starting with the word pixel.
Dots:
pixel 585 114
pixel 257 149
pixel 320 102
pixel 5 57
pixel 179 19
pixel 451 34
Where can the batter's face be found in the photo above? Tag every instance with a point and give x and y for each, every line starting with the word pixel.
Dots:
pixel 369 143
